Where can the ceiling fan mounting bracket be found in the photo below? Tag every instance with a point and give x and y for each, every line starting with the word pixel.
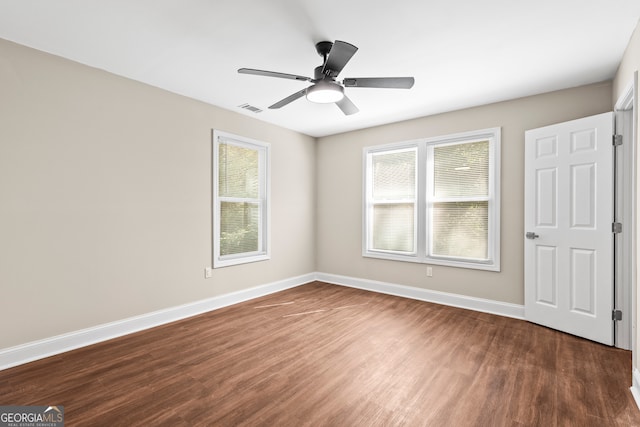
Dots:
pixel 323 48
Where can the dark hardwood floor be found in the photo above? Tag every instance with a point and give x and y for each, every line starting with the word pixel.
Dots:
pixel 325 355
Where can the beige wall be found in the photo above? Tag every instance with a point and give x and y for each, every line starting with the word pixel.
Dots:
pixel 339 169
pixel 629 67
pixel 105 193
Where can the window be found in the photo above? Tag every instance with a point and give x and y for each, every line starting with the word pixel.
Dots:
pixel 435 201
pixel 393 200
pixel 240 200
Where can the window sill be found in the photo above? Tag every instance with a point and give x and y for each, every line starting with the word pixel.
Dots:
pixel 488 266
pixel 227 262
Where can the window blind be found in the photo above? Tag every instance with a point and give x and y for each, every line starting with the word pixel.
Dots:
pixel 394 201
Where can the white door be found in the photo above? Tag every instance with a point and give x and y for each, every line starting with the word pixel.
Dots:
pixel 568 225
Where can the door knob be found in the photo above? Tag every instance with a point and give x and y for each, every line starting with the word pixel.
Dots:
pixel 531 235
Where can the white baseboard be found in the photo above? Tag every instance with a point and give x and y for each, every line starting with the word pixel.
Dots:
pixel 477 304
pixel 18 355
pixel 635 386
pixel 29 352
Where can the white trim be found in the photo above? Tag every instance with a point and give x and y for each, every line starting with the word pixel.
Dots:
pixel 624 116
pixel 24 353
pixel 515 311
pixel 625 101
pixel 635 387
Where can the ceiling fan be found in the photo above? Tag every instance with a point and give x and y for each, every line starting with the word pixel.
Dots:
pixel 325 88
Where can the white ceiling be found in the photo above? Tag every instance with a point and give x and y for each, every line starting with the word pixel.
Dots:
pixel 462 53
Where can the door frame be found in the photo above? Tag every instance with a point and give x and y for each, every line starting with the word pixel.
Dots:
pixel 625 243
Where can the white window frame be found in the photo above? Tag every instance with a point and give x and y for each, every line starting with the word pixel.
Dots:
pixel 370 203
pixel 425 187
pixel 263 200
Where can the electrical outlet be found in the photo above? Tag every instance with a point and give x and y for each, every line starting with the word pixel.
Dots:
pixel 208 272
pixel 429 271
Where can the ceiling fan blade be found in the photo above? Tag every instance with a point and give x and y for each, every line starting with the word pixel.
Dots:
pixel 381 82
pixel 347 107
pixel 289 99
pixel 340 53
pixel 272 74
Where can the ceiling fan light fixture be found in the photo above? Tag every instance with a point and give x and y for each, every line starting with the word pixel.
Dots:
pixel 325 92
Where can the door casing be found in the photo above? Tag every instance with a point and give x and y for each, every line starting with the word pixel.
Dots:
pixel 625 245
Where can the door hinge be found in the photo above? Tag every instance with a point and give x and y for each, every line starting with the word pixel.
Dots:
pixel 616 315
pixel 616 227
pixel 617 140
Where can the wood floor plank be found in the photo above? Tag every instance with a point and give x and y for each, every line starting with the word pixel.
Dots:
pixel 326 355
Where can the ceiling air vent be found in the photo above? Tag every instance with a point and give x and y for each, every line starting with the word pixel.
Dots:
pixel 250 108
